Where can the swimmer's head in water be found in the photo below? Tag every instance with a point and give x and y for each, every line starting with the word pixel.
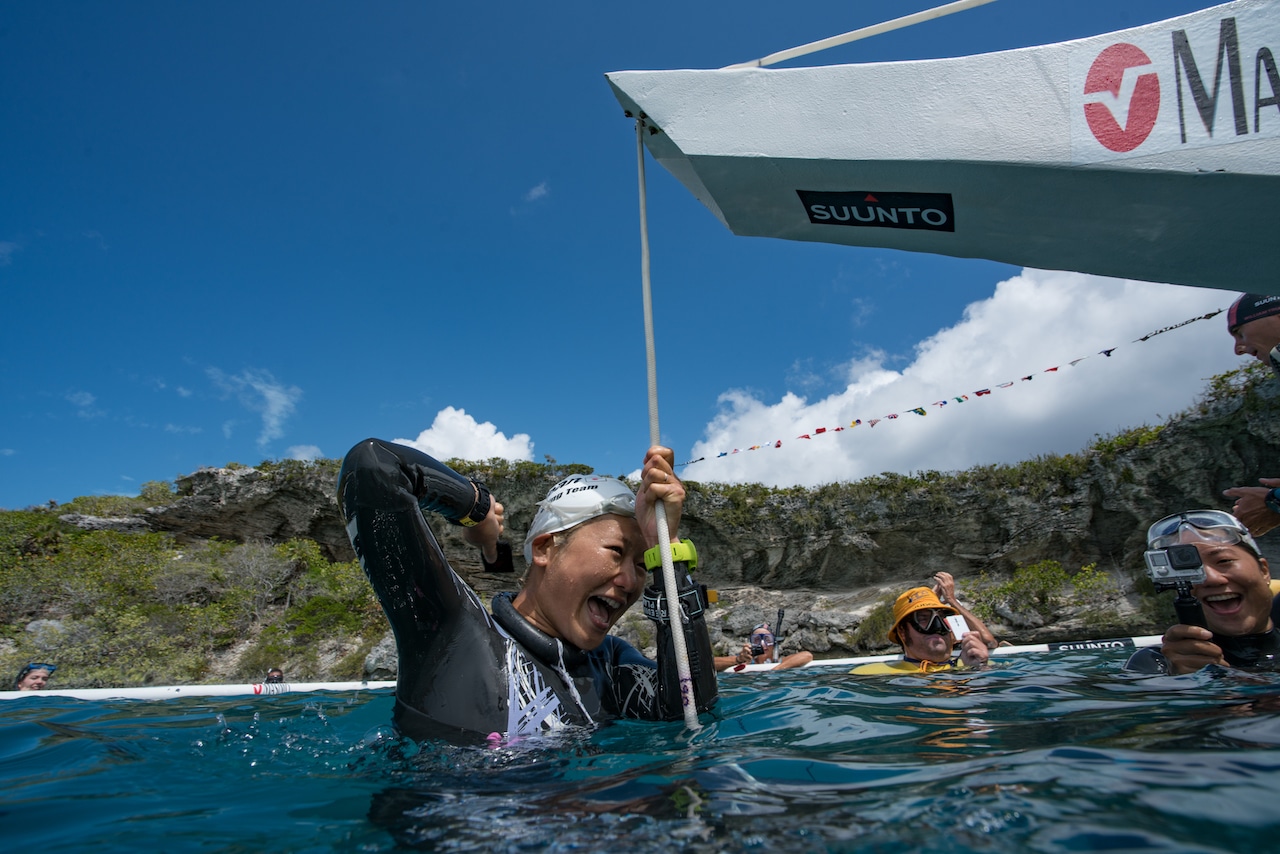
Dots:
pixel 575 500
pixel 33 683
pixel 915 599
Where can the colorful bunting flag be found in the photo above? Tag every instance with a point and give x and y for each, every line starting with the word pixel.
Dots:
pixel 1177 325
pixel 920 410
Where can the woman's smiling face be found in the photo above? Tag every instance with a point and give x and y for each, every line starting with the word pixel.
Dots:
pixel 1236 593
pixel 579 587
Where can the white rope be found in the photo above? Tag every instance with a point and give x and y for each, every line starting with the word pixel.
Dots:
pixel 865 32
pixel 674 613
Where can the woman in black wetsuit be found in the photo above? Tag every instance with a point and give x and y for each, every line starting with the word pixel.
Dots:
pixel 544 659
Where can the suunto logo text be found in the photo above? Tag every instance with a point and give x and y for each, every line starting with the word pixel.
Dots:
pixel 874 209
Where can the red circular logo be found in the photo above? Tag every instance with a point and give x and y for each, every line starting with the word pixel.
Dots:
pixel 1107 74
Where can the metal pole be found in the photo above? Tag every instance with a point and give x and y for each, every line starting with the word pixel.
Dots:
pixel 865 32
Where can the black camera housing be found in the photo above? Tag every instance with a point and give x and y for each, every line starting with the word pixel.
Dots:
pixel 757 649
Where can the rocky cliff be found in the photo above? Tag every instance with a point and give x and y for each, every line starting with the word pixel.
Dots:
pixel 828 554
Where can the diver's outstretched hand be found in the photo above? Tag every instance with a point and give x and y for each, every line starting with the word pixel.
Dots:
pixel 1251 505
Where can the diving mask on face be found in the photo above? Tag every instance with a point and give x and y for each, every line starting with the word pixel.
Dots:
pixel 930 623
pixel 1215 527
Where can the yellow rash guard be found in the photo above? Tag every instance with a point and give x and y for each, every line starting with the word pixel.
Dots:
pixel 906 665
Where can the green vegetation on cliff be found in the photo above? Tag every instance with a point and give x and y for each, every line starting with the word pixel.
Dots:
pixel 117 608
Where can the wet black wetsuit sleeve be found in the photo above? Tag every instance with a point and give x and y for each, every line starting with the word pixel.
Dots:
pixel 383 489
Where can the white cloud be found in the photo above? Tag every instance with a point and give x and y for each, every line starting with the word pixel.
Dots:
pixel 83 401
pixel 454 433
pixel 183 392
pixel 537 192
pixel 7 250
pixel 7 452
pixel 1033 322
pixel 304 452
pixel 258 391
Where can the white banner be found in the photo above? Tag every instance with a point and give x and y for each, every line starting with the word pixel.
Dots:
pixel 1201 81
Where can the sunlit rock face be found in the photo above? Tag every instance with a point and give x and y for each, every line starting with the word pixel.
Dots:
pixel 829 554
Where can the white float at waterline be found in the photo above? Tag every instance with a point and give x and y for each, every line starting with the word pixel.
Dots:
pixel 173 692
pixel 1102 644
pixel 1151 153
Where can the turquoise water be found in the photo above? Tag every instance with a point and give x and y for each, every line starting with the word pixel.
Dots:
pixel 1051 753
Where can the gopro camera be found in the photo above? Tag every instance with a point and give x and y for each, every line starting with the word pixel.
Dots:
pixel 757 649
pixel 1175 566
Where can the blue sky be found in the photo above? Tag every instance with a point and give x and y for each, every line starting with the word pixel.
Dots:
pixel 243 231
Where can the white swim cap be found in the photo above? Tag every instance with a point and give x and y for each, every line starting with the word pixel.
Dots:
pixel 576 499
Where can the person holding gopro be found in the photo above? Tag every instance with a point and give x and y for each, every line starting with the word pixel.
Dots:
pixel 543 660
pixel 761 648
pixel 1225 603
pixel 1254 323
pixel 927 629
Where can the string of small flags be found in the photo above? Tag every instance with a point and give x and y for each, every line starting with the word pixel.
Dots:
pixel 959 398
